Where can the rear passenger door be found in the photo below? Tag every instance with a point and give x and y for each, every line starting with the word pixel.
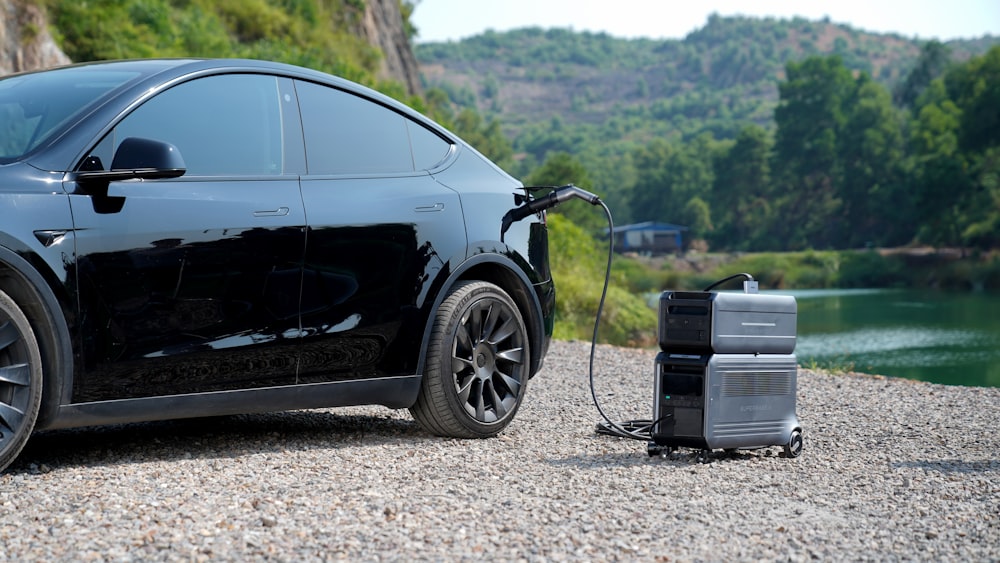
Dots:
pixel 381 229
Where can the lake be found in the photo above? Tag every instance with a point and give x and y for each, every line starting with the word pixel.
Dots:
pixel 951 338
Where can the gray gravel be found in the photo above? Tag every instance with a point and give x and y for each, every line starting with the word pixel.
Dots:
pixel 892 470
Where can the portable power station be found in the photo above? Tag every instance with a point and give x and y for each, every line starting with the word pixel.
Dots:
pixel 725 401
pixel 727 323
pixel 726 375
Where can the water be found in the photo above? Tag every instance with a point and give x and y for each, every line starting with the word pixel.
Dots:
pixel 951 338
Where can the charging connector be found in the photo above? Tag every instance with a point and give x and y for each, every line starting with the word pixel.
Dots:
pixel 554 198
pixel 751 286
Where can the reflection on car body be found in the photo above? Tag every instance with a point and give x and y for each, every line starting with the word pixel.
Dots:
pixel 265 237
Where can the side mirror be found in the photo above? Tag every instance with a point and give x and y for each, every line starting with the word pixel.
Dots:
pixel 139 159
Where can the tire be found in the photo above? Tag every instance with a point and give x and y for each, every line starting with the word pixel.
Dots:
pixel 20 380
pixel 477 366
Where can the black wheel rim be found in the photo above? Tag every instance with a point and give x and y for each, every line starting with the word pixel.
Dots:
pixel 15 381
pixel 488 360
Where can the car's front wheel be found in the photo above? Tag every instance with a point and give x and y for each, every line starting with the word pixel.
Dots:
pixel 477 366
pixel 20 380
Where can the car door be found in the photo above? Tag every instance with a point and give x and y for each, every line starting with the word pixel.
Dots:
pixel 381 231
pixel 192 284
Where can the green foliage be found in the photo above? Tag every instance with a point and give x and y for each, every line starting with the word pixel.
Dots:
pixel 810 116
pixel 673 184
pixel 975 88
pixel 870 269
pixel 758 134
pixel 742 192
pixel 797 270
pixel 578 268
pixel 872 170
pixel 934 59
pixel 955 144
pixel 305 32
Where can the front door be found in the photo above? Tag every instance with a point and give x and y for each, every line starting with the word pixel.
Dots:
pixel 192 284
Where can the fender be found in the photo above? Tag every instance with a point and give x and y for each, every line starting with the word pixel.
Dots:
pixel 493 259
pixel 46 313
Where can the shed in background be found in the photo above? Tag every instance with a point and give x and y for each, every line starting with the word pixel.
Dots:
pixel 649 237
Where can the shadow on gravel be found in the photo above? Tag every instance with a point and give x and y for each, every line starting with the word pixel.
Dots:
pixel 210 437
pixel 680 458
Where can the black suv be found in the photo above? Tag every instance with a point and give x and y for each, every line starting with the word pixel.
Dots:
pixel 182 238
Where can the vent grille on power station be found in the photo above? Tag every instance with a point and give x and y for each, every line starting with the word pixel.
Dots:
pixel 756 383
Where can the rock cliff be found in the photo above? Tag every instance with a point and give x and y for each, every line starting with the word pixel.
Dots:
pixel 382 27
pixel 25 42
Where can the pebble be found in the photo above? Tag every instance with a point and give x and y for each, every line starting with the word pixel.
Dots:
pixel 891 469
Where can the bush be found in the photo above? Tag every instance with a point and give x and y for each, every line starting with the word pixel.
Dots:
pixel 871 269
pixel 578 267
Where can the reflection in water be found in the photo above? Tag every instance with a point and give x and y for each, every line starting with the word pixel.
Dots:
pixel 932 336
pixel 866 341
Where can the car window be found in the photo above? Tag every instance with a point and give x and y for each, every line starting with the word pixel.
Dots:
pixel 348 134
pixel 33 107
pixel 428 148
pixel 222 125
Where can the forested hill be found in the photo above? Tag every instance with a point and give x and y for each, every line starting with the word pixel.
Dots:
pixel 715 79
pixel 757 134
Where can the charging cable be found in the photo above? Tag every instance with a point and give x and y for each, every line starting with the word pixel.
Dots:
pixel 634 429
pixel 640 429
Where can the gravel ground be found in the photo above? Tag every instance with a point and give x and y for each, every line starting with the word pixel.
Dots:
pixel 892 470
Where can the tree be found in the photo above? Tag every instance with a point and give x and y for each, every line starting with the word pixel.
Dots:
pixel 741 192
pixel 809 117
pixel 875 208
pixel 975 89
pixel 935 57
pixel 940 178
pixel 648 201
pixel 668 178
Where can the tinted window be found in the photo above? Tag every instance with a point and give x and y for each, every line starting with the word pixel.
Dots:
pixel 222 125
pixel 34 106
pixel 348 134
pixel 428 149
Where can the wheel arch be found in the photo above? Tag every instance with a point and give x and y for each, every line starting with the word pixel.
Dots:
pixel 36 296
pixel 505 274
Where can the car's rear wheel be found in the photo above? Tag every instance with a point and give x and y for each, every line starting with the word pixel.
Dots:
pixel 477 365
pixel 20 380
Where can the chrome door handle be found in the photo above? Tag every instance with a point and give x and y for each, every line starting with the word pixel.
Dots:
pixel 279 212
pixel 429 208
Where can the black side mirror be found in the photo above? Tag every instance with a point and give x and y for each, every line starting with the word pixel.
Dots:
pixel 142 159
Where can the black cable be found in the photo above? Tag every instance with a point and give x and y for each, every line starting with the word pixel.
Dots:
pixel 640 429
pixel 744 275
pixel 634 429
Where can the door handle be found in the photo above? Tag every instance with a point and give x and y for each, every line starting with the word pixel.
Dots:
pixel 279 212
pixel 429 208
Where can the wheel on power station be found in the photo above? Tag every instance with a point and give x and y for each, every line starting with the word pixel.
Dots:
pixel 794 446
